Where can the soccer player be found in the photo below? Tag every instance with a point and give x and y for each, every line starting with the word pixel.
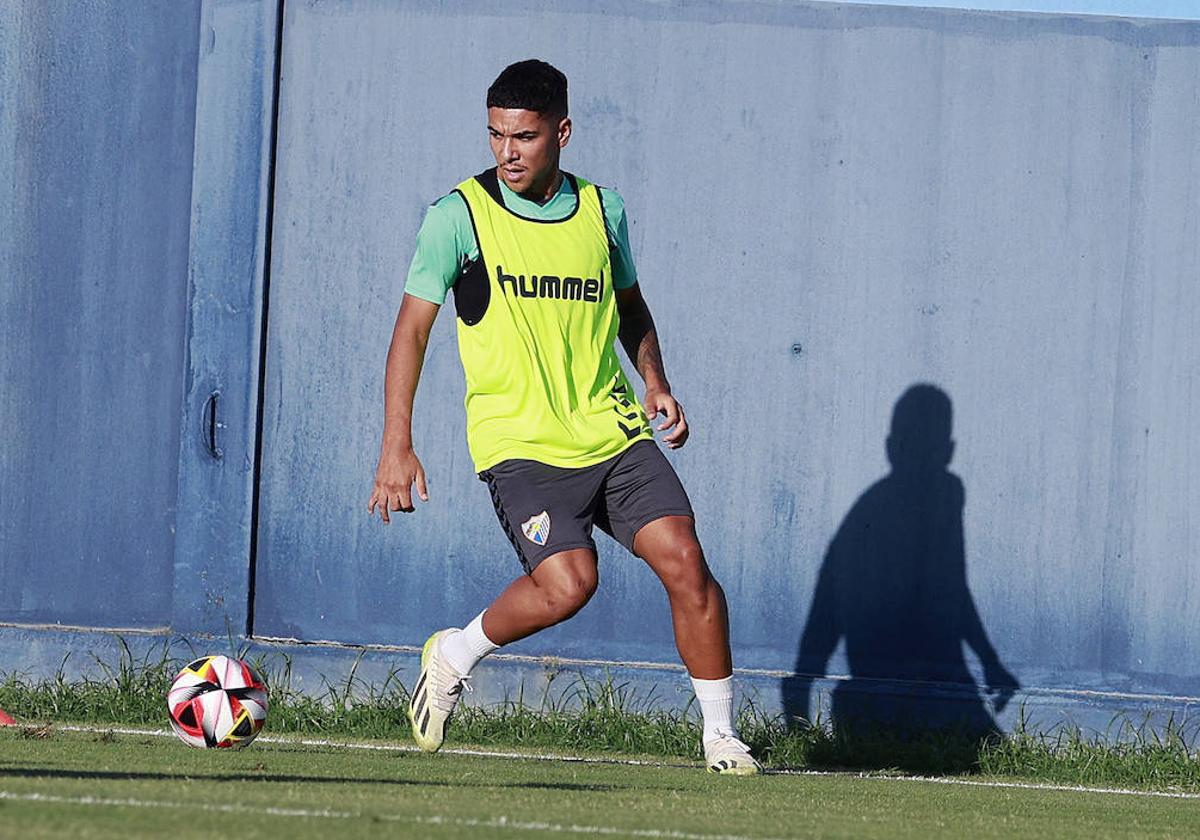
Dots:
pixel 544 284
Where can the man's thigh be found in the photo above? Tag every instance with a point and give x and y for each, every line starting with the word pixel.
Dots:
pixel 640 487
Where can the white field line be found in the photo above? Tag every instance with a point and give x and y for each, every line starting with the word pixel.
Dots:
pixel 634 762
pixel 323 813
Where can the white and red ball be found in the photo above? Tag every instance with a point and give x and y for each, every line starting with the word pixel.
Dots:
pixel 217 701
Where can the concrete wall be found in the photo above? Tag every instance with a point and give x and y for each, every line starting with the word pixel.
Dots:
pixel 96 114
pixel 829 205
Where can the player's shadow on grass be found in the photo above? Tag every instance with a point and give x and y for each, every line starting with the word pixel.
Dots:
pixel 267 776
pixel 893 586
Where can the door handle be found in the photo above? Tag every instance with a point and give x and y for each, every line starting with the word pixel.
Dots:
pixel 212 424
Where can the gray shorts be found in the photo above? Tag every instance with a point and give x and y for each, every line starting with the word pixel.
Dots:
pixel 545 509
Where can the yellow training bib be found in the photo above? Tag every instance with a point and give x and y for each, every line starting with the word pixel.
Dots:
pixel 537 325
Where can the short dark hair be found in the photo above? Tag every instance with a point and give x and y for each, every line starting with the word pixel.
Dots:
pixel 530 85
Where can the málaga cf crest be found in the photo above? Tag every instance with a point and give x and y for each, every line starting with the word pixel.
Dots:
pixel 537 528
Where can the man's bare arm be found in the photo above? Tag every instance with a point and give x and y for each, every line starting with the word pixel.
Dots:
pixel 639 337
pixel 640 340
pixel 399 466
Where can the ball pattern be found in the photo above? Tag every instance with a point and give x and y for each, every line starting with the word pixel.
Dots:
pixel 217 701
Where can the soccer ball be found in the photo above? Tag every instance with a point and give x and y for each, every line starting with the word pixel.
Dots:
pixel 217 701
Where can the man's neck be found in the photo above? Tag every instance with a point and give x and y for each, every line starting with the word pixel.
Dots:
pixel 541 196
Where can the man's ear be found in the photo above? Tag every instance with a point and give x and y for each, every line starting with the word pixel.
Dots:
pixel 564 131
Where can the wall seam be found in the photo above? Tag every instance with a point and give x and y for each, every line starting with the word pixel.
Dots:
pixel 256 493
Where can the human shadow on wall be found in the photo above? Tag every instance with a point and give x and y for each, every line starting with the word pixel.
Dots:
pixel 893 585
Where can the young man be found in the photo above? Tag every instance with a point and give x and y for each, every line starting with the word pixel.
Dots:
pixel 544 284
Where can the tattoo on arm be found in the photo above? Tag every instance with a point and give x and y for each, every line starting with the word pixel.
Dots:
pixel 649 357
pixel 640 340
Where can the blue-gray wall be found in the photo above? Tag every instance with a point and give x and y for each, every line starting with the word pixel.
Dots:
pixel 829 205
pixel 96 113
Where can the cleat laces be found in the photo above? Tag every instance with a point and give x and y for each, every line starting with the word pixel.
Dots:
pixel 730 741
pixel 445 701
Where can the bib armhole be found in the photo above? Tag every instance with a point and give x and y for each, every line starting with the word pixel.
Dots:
pixel 472 291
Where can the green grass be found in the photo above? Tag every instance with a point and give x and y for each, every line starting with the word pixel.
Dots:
pixel 1129 755
pixel 56 784
pixel 580 716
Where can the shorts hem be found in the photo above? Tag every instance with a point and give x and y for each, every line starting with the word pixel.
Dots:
pixel 646 520
pixel 533 564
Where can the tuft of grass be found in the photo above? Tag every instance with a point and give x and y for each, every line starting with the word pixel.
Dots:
pixel 131 692
pixel 352 707
pixel 1127 754
pixel 585 715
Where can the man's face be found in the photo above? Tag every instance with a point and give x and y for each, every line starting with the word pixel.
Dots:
pixel 526 146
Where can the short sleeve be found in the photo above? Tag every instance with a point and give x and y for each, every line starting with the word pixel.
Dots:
pixel 624 271
pixel 444 244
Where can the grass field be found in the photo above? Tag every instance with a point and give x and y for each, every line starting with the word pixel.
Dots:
pixel 604 717
pixel 56 783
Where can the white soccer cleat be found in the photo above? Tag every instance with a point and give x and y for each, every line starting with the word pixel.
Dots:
pixel 436 694
pixel 730 757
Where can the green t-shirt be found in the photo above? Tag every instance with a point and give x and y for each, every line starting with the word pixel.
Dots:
pixel 446 240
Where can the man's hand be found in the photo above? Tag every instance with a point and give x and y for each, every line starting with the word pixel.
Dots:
pixel 659 401
pixel 394 478
pixel 1001 685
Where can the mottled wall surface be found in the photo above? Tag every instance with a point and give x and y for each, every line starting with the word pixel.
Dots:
pixel 96 117
pixel 828 205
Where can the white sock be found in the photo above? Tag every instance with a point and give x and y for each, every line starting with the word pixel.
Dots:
pixel 716 704
pixel 464 648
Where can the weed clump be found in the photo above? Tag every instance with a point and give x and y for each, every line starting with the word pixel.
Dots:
pixel 1128 753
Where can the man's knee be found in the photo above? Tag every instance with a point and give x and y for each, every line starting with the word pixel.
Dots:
pixel 565 587
pixel 684 572
pixel 564 595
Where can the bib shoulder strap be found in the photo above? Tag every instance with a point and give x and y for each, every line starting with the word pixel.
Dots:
pixel 491 184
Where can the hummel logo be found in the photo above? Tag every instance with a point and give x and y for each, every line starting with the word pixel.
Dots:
pixel 589 290
pixel 626 410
